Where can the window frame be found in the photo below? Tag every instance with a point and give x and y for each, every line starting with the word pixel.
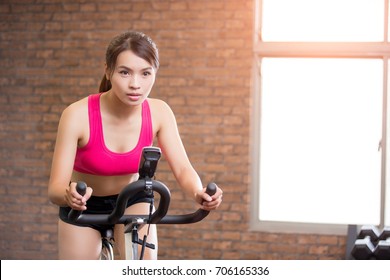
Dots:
pixel 262 49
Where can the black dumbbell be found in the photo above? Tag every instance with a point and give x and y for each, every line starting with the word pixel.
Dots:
pixel 382 249
pixel 365 243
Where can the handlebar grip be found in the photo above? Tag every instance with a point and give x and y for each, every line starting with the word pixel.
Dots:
pixel 211 189
pixel 81 188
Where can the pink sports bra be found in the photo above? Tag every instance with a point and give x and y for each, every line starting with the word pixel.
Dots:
pixel 95 158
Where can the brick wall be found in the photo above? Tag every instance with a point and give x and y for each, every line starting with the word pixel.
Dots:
pixel 52 53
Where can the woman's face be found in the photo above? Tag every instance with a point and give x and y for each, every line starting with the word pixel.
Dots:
pixel 132 79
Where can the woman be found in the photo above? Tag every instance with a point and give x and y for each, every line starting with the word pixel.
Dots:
pixel 100 140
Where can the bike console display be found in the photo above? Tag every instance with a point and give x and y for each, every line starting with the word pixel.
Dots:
pixel 149 159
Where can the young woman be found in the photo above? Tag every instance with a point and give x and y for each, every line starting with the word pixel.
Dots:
pixel 100 140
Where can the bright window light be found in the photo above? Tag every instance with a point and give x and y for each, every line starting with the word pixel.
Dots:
pixel 387 196
pixel 320 129
pixel 323 20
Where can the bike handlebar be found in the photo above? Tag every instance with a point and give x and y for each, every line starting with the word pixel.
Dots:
pixel 158 217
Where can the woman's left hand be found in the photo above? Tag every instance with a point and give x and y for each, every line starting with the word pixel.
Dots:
pixel 208 202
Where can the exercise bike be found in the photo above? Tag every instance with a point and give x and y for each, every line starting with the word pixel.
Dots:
pixel 145 183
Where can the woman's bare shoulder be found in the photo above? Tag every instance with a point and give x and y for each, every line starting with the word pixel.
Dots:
pixel 76 109
pixel 75 116
pixel 162 114
pixel 159 106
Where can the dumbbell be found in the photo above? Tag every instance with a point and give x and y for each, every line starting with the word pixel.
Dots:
pixel 382 249
pixel 365 243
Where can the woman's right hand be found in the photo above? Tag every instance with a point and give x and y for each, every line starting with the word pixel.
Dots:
pixel 74 199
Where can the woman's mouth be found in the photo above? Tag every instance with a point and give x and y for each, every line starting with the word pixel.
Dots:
pixel 134 96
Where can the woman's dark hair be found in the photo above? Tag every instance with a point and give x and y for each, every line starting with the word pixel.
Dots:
pixel 137 42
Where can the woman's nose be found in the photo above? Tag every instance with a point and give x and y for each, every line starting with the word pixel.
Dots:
pixel 134 82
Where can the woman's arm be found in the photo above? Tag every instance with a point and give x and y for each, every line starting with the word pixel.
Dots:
pixel 174 151
pixel 69 133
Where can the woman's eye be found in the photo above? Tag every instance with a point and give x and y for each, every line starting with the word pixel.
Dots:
pixel 124 73
pixel 147 73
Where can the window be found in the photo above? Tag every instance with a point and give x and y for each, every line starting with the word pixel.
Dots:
pixel 323 20
pixel 320 122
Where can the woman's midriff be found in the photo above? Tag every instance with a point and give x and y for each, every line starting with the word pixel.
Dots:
pixel 104 185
